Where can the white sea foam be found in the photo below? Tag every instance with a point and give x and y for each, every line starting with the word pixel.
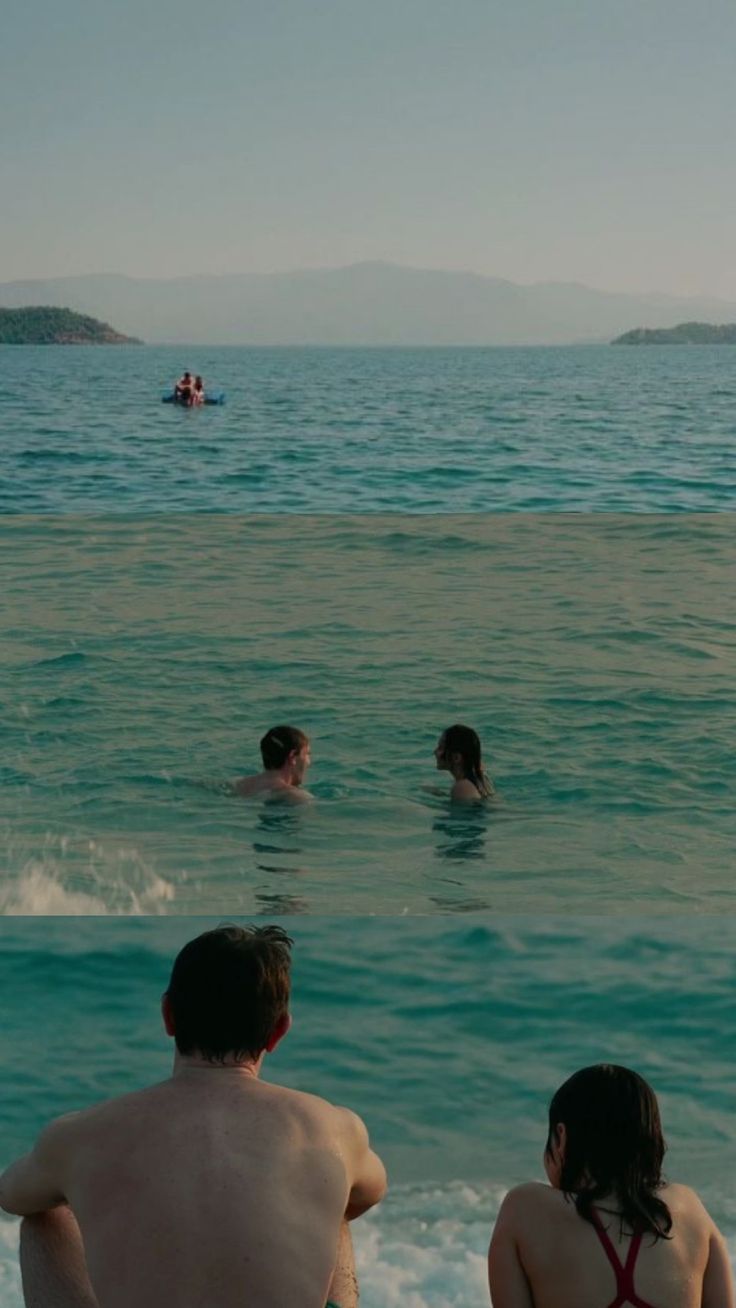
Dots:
pixel 97 881
pixel 425 1247
pixel 10 1291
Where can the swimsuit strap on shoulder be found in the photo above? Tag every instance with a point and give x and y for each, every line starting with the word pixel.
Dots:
pixel 624 1272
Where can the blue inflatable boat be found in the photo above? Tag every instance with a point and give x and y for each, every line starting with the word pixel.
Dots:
pixel 211 397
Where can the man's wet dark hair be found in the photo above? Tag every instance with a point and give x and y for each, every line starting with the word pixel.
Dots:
pixel 229 989
pixel 278 744
pixel 614 1146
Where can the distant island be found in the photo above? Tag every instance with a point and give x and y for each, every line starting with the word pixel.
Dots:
pixel 687 333
pixel 45 325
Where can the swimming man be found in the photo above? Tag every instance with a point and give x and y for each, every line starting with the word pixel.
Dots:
pixel 183 390
pixel 286 756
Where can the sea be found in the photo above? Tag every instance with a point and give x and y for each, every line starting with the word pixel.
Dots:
pixel 144 658
pixel 373 544
pixel 585 429
pixel 448 1036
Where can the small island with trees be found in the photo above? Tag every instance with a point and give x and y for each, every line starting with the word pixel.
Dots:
pixel 687 333
pixel 45 325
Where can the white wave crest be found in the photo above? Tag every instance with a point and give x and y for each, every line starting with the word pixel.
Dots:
pixel 10 1289
pixel 66 880
pixel 425 1247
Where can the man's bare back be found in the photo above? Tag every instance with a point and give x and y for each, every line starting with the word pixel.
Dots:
pixel 212 1187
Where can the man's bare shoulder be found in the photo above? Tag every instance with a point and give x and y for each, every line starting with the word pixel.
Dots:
pixel 36 1181
pixel 343 1124
pixel 304 1101
pixel 246 787
pixel 353 1126
pixel 58 1134
pixel 272 791
pixel 288 795
pixel 72 1126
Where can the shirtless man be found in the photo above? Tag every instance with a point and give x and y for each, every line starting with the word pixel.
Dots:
pixel 183 390
pixel 211 1189
pixel 286 757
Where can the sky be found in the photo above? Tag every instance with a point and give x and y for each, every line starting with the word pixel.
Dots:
pixel 535 140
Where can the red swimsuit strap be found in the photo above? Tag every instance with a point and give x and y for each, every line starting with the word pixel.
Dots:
pixel 624 1272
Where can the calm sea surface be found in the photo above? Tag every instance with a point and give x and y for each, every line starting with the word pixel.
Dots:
pixel 441 431
pixel 142 661
pixel 448 1037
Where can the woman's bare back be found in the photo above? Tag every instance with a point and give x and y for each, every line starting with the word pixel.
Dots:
pixel 544 1255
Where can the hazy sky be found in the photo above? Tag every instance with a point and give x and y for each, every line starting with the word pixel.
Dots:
pixel 587 140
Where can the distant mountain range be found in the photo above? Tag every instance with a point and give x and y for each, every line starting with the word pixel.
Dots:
pixel 362 304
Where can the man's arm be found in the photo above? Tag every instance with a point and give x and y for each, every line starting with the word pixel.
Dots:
pixel 368 1174
pixel 506 1276
pixel 32 1184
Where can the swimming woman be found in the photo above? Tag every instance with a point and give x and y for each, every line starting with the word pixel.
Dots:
pixel 458 751
pixel 608 1232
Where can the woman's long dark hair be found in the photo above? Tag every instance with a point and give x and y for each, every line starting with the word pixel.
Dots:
pixel 466 742
pixel 614 1146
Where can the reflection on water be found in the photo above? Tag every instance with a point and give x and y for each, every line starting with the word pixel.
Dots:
pixel 461 833
pixel 282 904
pixel 275 819
pixel 443 904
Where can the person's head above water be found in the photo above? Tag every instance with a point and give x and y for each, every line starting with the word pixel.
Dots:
pixel 605 1143
pixel 458 751
pixel 286 750
pixel 228 997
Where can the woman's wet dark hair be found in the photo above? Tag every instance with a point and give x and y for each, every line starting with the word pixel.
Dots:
pixel 466 742
pixel 614 1146
pixel 279 743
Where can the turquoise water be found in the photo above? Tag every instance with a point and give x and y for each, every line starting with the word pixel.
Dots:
pixel 447 1036
pixel 324 430
pixel 596 656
